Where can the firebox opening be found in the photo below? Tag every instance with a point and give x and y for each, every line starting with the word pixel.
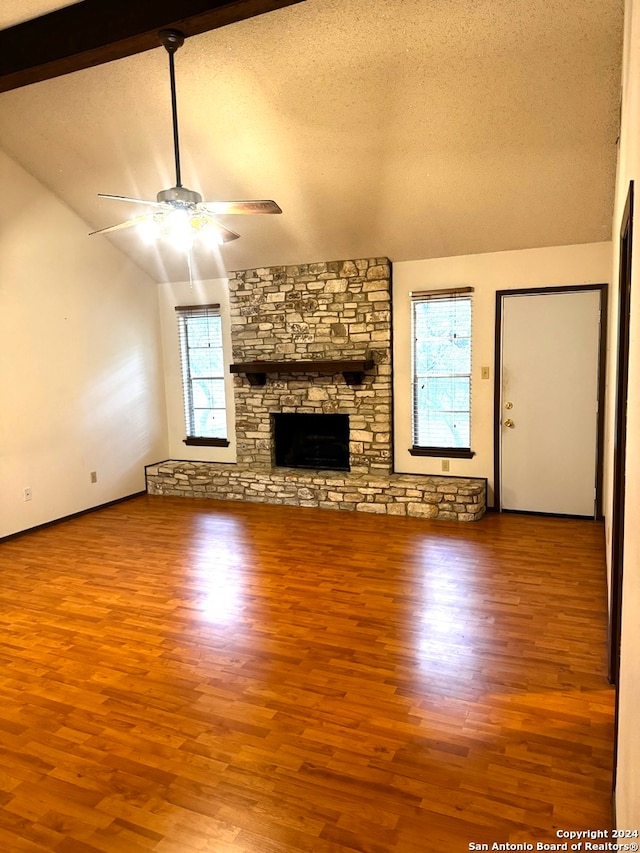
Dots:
pixel 311 441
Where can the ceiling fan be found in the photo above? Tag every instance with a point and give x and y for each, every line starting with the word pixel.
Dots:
pixel 179 214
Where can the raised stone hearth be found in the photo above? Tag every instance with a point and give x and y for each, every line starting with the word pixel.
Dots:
pixel 444 498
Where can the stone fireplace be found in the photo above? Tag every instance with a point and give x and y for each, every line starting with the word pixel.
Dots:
pixel 314 314
pixel 313 342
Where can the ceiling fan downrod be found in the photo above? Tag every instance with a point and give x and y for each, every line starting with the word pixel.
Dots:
pixel 172 40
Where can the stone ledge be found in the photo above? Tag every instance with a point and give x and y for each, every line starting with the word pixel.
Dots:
pixel 423 496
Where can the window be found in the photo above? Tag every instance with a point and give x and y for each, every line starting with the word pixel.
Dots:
pixel 202 362
pixel 441 367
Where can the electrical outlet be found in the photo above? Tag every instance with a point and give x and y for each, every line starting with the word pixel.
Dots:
pixel 445 464
pixel 94 476
pixel 27 494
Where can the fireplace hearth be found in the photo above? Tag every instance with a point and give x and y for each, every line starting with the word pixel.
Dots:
pixel 316 441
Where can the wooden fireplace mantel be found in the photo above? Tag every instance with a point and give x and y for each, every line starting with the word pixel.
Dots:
pixel 257 371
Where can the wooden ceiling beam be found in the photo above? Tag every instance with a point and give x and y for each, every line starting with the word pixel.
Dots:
pixel 94 31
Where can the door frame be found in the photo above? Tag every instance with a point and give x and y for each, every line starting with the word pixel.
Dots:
pixel 614 634
pixel 497 378
pixel 620 437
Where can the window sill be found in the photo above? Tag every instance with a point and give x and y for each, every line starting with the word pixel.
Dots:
pixel 195 441
pixel 449 452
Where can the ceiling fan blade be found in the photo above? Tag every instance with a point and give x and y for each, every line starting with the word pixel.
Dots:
pixel 137 220
pixel 212 230
pixel 251 206
pixel 226 235
pixel 126 198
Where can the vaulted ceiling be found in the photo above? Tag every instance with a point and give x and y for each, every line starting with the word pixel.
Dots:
pixel 402 128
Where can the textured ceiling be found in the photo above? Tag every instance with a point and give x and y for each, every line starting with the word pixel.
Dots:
pixel 15 11
pixel 402 128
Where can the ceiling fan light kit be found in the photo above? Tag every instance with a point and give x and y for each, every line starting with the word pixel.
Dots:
pixel 181 217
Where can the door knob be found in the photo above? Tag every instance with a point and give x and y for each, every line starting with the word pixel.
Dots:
pixel 509 423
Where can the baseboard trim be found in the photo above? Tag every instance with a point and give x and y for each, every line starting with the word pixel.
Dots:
pixel 73 515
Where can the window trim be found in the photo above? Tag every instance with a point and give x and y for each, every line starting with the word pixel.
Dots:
pixel 416 297
pixel 203 441
pixel 452 452
pixel 182 313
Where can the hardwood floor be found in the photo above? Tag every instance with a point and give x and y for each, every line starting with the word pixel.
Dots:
pixel 182 676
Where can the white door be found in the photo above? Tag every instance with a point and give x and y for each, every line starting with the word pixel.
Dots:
pixel 549 402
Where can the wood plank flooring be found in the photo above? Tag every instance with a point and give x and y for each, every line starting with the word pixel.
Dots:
pixel 181 675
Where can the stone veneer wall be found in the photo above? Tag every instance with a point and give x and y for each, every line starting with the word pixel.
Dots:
pixel 323 311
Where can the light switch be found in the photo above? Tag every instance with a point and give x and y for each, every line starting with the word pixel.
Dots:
pixel 484 372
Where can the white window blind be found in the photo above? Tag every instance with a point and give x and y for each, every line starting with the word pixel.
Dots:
pixel 202 363
pixel 441 368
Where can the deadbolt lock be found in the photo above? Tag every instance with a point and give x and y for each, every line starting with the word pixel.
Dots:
pixel 508 405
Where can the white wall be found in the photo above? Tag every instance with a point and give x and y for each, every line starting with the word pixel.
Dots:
pixel 80 382
pixel 628 776
pixel 588 263
pixel 172 294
